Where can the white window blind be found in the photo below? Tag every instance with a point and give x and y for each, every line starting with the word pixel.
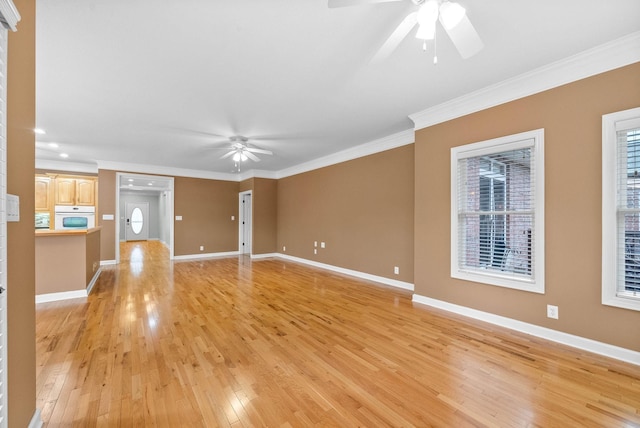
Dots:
pixel 628 209
pixel 496 212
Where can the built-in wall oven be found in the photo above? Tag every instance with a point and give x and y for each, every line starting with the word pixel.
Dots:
pixel 74 217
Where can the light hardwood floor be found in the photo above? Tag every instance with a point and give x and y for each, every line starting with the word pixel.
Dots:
pixel 238 343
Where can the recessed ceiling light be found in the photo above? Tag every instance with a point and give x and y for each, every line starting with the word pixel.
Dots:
pixel 39 131
pixel 130 185
pixel 64 155
pixel 54 145
pixel 130 180
pixel 150 184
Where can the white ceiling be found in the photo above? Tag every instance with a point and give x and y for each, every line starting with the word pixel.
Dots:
pixel 154 81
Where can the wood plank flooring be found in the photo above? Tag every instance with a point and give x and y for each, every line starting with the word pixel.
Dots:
pixel 238 343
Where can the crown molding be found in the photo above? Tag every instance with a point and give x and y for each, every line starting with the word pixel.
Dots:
pixel 257 173
pixel 66 166
pixel 606 57
pixel 399 139
pixel 165 170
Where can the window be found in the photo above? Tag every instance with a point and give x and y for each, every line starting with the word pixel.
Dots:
pixel 497 211
pixel 621 209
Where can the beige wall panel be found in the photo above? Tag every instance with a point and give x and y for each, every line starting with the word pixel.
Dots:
pixel 265 216
pixel 246 185
pixel 107 205
pixel 206 207
pixel 362 209
pixel 61 263
pixel 92 255
pixel 571 116
pixel 21 116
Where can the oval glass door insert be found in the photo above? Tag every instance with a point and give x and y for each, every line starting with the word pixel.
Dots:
pixel 137 221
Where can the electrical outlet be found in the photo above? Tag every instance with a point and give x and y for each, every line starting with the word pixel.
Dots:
pixel 284 248
pixel 315 243
pixel 201 247
pixel 552 311
pixel 396 270
pixel 233 218
pixel 315 251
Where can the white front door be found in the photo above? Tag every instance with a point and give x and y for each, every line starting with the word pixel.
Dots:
pixel 137 221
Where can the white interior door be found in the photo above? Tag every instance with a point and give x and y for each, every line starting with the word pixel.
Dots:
pixel 137 221
pixel 245 223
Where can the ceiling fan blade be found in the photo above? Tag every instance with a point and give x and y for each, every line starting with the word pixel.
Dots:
pixel 347 3
pixel 231 153
pixel 396 37
pixel 251 156
pixel 465 38
pixel 254 150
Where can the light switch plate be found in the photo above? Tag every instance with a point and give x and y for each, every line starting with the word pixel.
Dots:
pixel 13 208
pixel 178 218
pixel 107 216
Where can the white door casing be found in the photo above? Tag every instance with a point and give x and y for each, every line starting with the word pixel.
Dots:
pixel 245 223
pixel 9 18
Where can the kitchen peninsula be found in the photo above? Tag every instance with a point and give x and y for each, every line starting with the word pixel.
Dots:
pixel 67 263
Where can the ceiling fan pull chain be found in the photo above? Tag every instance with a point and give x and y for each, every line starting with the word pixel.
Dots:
pixel 435 46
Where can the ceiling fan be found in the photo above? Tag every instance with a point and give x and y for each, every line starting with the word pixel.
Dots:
pixel 452 18
pixel 240 150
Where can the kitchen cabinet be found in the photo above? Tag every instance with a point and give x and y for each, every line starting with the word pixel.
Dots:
pixel 75 191
pixel 44 193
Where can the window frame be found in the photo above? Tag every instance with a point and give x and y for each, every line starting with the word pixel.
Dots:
pixel 531 139
pixel 611 124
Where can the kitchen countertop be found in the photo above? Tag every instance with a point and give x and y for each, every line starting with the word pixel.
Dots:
pixel 66 232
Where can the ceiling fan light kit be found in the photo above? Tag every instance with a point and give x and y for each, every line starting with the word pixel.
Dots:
pixel 451 15
pixel 241 152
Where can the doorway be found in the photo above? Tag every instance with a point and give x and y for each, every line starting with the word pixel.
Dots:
pixel 137 221
pixel 245 223
pixel 153 221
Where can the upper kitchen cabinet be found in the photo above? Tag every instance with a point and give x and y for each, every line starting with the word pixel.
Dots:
pixel 75 191
pixel 85 191
pixel 44 193
pixel 65 191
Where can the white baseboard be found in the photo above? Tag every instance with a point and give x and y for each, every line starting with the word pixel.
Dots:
pixel 63 295
pixel 107 262
pixel 579 342
pixel 357 274
pixel 263 256
pixel 93 281
pixel 205 256
pixel 36 420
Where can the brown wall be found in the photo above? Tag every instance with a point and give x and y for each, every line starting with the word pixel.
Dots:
pixel 107 205
pixel 21 115
pixel 362 209
pixel 264 202
pixel 571 116
pixel 54 273
pixel 92 256
pixel 206 207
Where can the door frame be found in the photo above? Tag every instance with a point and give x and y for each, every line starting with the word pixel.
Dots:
pixel 241 220
pixel 170 208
